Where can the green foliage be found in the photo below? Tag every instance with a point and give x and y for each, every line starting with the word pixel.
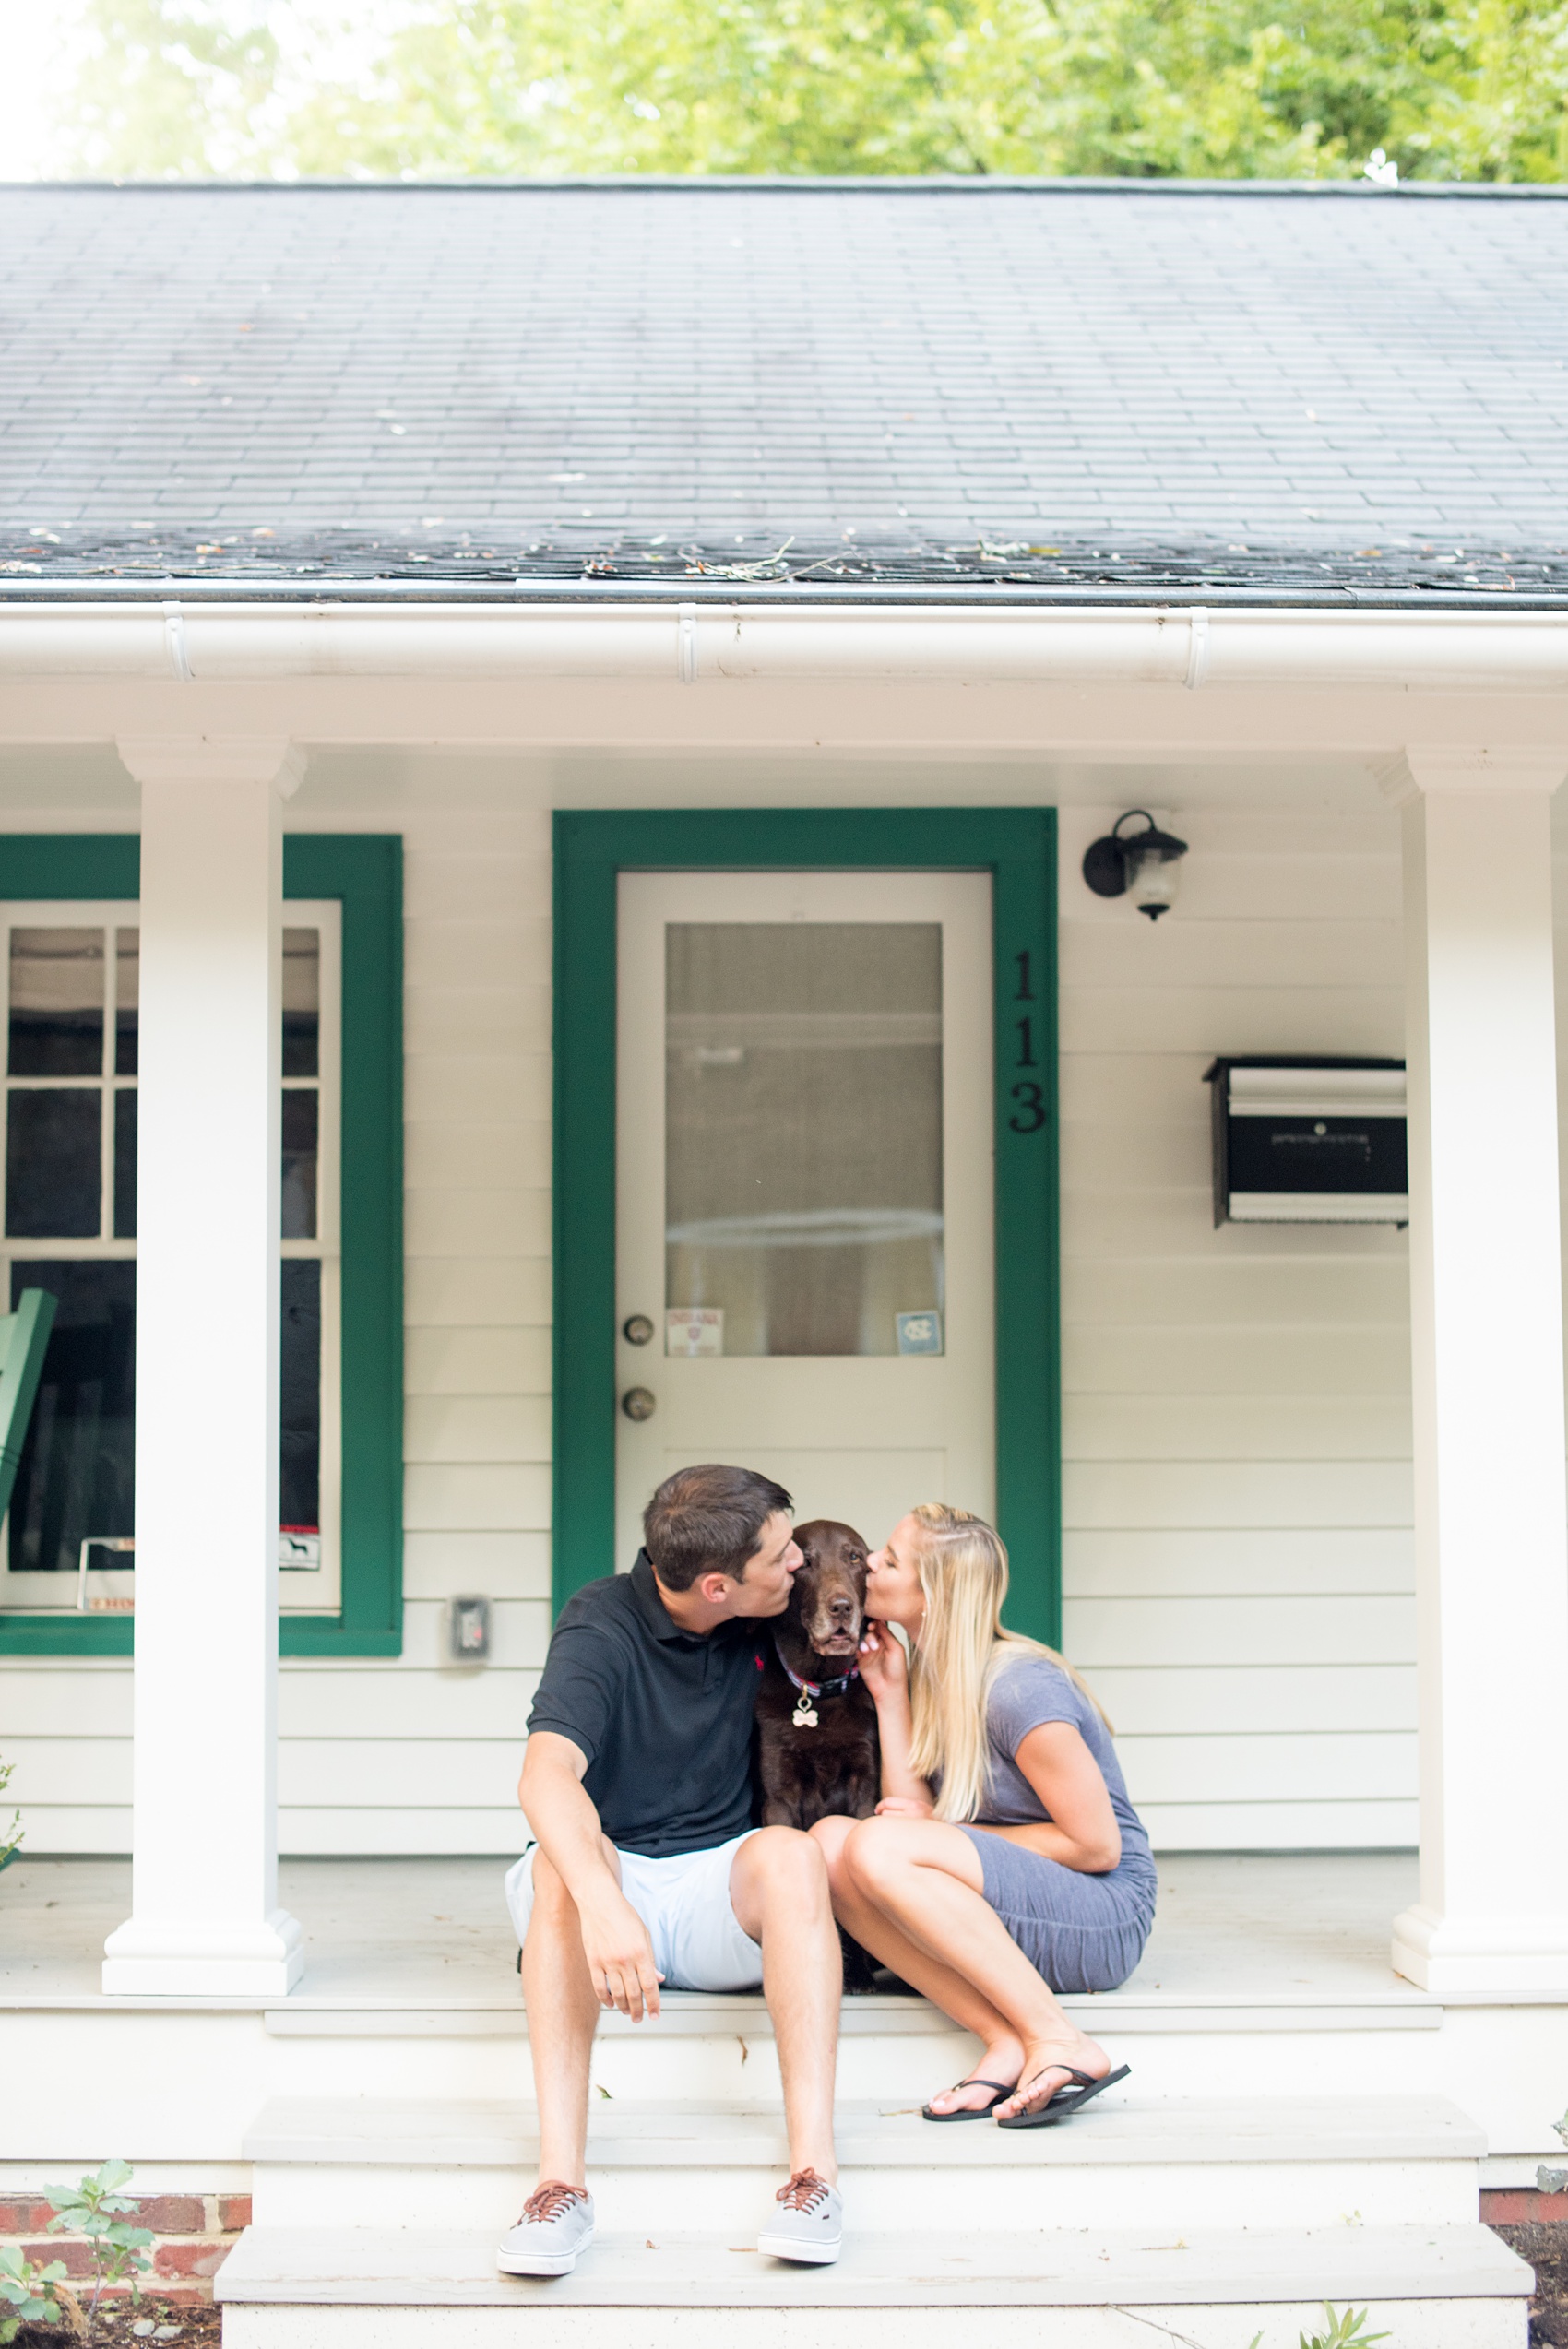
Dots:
pixel 97 2209
pixel 1345 2332
pixel 1215 89
pixel 168 92
pixel 28 2291
pixel 9 1839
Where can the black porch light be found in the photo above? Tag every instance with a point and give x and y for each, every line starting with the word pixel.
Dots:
pixel 1141 866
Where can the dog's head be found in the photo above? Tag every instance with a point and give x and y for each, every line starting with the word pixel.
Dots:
pixel 827 1601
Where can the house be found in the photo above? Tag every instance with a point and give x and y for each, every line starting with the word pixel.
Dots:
pixel 697 632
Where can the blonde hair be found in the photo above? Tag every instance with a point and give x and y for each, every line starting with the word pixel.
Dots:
pixel 963 1644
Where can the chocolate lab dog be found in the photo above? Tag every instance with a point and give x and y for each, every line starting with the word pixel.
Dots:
pixel 816 1724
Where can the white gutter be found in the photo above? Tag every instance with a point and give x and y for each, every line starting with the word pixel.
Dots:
pixel 1464 652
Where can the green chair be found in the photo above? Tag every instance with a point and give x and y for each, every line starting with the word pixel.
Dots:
pixel 24 1336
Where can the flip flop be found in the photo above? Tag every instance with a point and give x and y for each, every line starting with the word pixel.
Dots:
pixel 1065 2101
pixel 978 2112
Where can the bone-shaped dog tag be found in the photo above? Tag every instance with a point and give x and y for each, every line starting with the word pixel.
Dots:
pixel 803 1718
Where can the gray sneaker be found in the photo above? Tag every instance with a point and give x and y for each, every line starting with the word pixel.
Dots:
pixel 557 2223
pixel 810 2224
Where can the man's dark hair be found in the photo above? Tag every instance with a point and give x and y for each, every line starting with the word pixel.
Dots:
pixel 708 1521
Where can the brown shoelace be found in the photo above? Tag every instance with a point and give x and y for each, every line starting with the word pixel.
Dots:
pixel 803 2192
pixel 548 2201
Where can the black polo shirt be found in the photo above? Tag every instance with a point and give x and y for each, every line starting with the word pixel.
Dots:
pixel 664 1717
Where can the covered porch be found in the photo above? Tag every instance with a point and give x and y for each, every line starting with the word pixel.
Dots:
pixel 1267 1976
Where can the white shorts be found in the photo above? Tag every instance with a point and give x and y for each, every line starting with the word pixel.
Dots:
pixel 698 1941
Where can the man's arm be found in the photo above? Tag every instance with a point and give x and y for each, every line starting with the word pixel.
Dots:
pixel 566 1826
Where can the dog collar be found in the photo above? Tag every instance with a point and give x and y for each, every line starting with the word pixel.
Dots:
pixel 817 1687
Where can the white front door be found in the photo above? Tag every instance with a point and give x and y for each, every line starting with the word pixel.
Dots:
pixel 804 1226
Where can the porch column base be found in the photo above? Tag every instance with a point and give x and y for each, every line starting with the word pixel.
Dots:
pixel 173 1960
pixel 1466 1957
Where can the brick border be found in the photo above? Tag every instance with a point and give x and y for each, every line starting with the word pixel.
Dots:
pixel 193 2235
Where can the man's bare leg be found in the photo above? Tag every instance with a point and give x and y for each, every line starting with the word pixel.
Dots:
pixel 779 1892
pixel 563 2017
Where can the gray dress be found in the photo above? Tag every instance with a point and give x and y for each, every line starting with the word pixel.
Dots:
pixel 1080 1932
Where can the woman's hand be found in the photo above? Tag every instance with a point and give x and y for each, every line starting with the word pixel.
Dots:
pixel 884 1667
pixel 904 1807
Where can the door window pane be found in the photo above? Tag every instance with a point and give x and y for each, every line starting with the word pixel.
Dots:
pixel 803 1133
pixel 128 999
pixel 299 1396
pixel 126 1164
pixel 56 1002
pixel 77 1478
pixel 302 1002
pixel 299 1164
pixel 54 1164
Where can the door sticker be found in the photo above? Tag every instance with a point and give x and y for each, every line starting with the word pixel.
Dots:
pixel 919 1333
pixel 691 1330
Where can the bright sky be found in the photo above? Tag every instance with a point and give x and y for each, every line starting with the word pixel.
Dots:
pixel 35 43
pixel 40 38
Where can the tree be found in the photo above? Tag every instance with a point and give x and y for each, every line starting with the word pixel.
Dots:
pixel 1219 88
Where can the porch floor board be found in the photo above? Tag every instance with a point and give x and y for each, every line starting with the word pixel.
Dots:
pixel 433 1934
pixel 1056 2267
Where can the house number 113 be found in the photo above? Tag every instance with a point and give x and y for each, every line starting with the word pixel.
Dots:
pixel 1028 1117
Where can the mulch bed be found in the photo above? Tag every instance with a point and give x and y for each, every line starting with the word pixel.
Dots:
pixel 115 2328
pixel 1546 2247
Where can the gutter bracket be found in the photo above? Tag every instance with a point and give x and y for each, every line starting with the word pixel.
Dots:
pixel 1198 647
pixel 174 634
pixel 686 644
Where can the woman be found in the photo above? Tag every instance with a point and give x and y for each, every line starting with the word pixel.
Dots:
pixel 1005 1862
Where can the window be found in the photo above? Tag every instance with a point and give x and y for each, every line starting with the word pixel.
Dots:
pixel 68 1017
pixel 342 1248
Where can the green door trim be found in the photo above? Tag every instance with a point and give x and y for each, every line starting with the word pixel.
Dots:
pixel 365 871
pixel 1017 848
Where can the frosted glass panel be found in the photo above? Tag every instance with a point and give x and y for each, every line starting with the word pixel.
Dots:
pixel 803 1137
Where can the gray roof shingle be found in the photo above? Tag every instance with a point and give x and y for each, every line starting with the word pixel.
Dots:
pixel 500 376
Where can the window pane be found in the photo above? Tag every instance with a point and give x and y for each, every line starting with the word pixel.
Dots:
pixel 56 1002
pixel 54 1167
pixel 302 1002
pixel 804 1131
pixel 126 1164
pixel 76 1478
pixel 299 1164
pixel 300 1488
pixel 127 997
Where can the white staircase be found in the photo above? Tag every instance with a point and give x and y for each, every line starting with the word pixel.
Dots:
pixel 1199 2220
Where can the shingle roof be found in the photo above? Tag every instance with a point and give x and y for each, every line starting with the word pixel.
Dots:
pixel 1046 381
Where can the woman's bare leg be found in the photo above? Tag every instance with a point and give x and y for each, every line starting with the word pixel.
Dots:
pixel 923 1879
pixel 1004 2052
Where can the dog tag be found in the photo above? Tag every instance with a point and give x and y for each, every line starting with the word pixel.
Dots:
pixel 803 1718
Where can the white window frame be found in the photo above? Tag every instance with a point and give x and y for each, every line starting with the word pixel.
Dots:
pixel 315 1591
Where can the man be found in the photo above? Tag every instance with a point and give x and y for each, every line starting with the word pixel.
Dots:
pixel 645 1866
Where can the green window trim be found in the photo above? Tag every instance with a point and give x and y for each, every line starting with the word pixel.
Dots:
pixel 1017 848
pixel 364 873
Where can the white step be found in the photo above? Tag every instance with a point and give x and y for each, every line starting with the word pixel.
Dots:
pixel 1454 2287
pixel 1125 2161
pixel 722 2048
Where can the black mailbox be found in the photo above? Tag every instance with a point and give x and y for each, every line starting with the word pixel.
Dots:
pixel 1308 1141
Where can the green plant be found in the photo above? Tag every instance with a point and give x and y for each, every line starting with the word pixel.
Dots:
pixel 30 2291
pixel 9 1838
pixel 1345 2332
pixel 97 2209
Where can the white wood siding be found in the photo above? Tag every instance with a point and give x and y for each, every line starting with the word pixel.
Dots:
pixel 1237 1439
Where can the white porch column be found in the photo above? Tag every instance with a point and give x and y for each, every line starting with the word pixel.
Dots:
pixel 205 1915
pixel 1486 1310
